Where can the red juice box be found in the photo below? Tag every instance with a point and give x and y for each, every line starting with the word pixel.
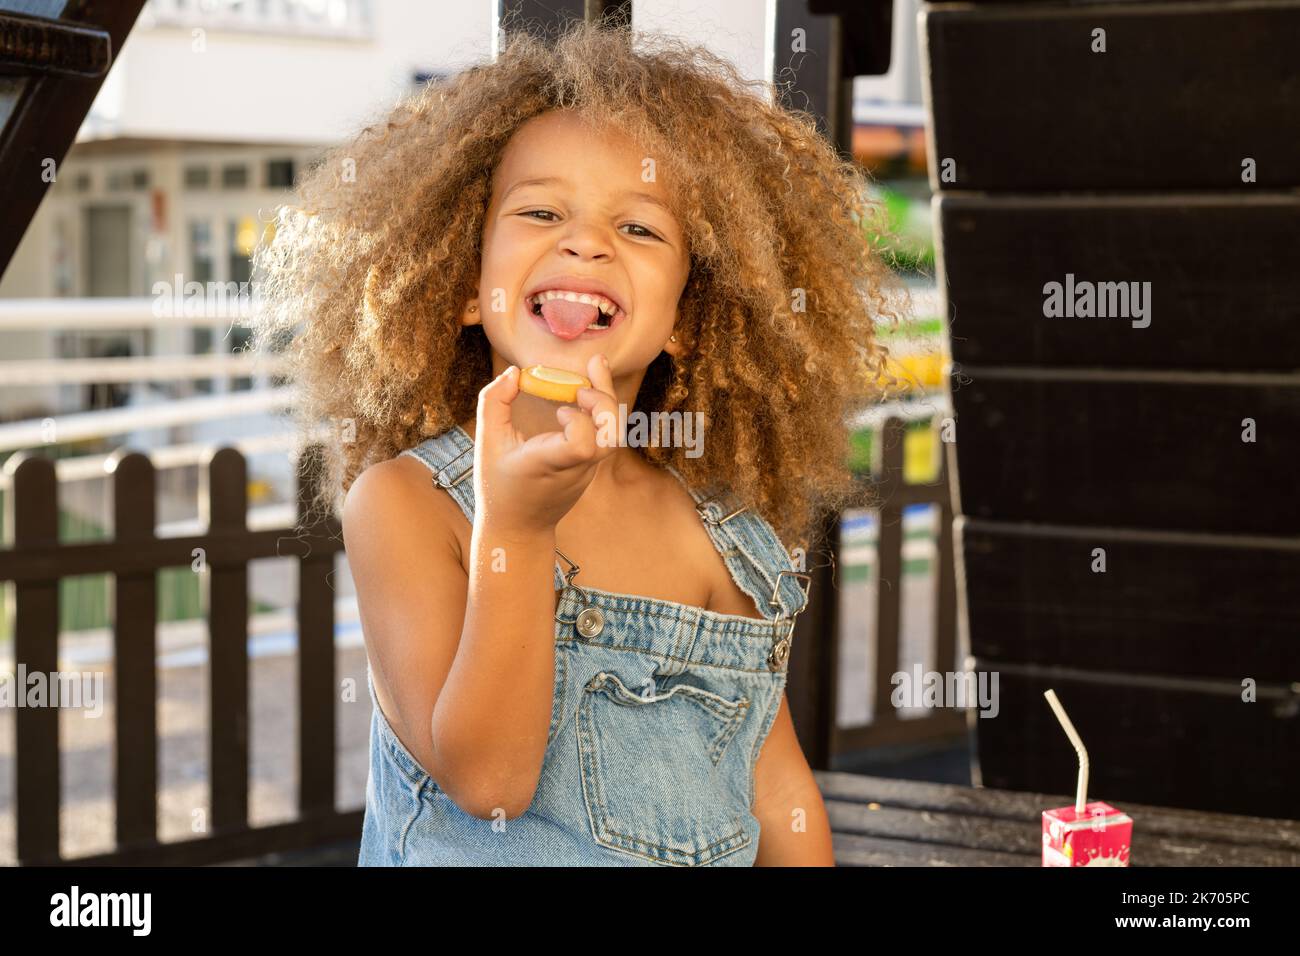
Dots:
pixel 1100 836
pixel 1086 834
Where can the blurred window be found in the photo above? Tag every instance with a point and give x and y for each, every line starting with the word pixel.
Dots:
pixel 279 173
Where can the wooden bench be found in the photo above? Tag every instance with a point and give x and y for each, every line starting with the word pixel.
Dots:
pixel 877 821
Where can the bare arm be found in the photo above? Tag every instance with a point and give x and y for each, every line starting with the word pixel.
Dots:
pixel 788 802
pixel 491 718
pixel 468 662
pixel 470 659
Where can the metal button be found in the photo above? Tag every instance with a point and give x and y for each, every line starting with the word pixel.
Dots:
pixel 590 621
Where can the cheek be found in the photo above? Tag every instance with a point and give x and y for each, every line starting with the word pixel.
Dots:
pixel 491 248
pixel 674 284
pixel 673 270
pixel 506 250
pixel 499 234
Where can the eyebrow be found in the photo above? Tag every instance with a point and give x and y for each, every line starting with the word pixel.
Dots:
pixel 555 181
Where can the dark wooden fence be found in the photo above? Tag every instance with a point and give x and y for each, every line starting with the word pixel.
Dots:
pixel 36 561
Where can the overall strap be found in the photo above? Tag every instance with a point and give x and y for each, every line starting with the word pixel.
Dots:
pixel 753 553
pixel 450 456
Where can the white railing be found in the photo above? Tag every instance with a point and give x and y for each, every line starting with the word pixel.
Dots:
pixel 95 316
pixel 118 421
pixel 145 368
pixel 100 314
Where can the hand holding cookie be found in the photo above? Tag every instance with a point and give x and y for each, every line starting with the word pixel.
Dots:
pixel 531 484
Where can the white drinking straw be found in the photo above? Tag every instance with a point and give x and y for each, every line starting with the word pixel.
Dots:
pixel 1080 796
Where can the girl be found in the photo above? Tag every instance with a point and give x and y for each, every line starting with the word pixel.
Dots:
pixel 577 646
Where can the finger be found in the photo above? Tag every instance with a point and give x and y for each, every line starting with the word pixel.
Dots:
pixel 601 404
pixel 574 444
pixel 580 432
pixel 601 375
pixel 494 403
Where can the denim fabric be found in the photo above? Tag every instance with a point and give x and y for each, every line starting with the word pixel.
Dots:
pixel 656 726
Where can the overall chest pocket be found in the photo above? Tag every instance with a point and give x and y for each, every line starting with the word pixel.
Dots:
pixel 656 777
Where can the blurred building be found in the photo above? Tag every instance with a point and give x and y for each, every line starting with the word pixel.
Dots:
pixel 211 111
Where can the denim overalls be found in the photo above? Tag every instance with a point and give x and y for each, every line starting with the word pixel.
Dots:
pixel 660 711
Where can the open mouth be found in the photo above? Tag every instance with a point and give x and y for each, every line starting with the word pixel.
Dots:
pixel 566 313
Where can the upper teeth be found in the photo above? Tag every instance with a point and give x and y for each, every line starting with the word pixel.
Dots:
pixel 587 298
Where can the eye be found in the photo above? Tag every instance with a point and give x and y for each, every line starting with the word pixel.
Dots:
pixel 536 212
pixel 643 234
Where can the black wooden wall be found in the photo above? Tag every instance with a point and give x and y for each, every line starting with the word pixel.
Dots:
pixel 1171 158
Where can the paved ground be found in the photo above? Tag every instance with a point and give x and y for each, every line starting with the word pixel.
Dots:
pixel 86 821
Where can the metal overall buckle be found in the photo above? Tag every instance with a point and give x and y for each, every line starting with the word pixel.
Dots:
pixel 590 621
pixel 781 649
pixel 440 478
pixel 732 501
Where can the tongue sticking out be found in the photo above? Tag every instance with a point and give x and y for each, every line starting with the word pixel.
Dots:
pixel 568 319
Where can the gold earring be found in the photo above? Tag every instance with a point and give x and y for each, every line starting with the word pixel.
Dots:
pixel 672 338
pixel 473 308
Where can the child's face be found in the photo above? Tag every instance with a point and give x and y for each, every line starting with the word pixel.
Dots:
pixel 569 208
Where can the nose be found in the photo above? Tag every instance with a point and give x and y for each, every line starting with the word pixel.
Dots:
pixel 587 242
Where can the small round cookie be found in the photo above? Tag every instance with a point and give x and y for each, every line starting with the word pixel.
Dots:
pixel 554 384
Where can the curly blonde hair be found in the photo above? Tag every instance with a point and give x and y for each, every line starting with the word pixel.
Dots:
pixel 367 274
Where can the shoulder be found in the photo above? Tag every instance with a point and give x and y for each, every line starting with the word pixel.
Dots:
pixel 387 484
pixel 399 494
